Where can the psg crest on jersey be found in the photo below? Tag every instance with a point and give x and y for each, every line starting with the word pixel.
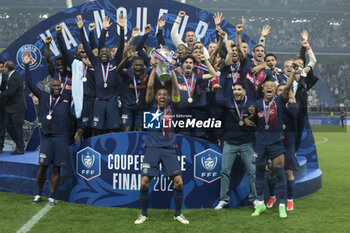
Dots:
pixel 88 163
pixel 34 54
pixel 207 166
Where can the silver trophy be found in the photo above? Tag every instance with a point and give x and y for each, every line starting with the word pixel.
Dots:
pixel 164 56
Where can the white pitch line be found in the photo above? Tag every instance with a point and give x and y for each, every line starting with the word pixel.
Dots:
pixel 324 140
pixel 36 218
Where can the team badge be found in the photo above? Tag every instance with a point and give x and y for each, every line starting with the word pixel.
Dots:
pixel 34 53
pixel 88 163
pixel 207 166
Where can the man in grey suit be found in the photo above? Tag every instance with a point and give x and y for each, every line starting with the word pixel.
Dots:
pixel 15 106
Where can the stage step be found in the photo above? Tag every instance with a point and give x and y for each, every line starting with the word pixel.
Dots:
pixel 301 172
pixel 21 185
pixel 309 184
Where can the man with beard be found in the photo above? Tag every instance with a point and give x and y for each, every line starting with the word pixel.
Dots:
pixel 134 83
pixel 190 36
pixel 161 147
pixel 106 109
pixel 237 139
pixel 192 102
pixel 269 144
pixel 253 72
pixel 83 80
pixel 271 61
pixel 56 124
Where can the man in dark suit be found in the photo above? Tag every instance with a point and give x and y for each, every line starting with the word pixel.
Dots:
pixel 304 82
pixel 3 81
pixel 15 106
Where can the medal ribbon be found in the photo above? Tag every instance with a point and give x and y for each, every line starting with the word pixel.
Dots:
pixel 105 73
pixel 189 91
pixel 234 77
pixel 267 111
pixel 58 99
pixel 137 93
pixel 239 113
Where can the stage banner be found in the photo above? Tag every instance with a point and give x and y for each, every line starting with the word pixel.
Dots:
pixel 106 172
pixel 138 13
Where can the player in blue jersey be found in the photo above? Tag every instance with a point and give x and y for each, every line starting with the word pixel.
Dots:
pixel 59 69
pixel 56 127
pixel 192 102
pixel 134 84
pixel 106 109
pixel 83 80
pixel 269 140
pixel 253 73
pixel 271 61
pixel 161 147
pixel 237 139
pixel 290 112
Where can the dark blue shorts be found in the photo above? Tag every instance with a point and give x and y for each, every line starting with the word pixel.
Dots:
pixel 290 161
pixel 87 115
pixel 167 157
pixel 131 117
pixel 267 151
pixel 54 150
pixel 106 115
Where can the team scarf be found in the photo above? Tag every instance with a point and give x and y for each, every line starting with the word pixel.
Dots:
pixel 257 80
pixel 202 67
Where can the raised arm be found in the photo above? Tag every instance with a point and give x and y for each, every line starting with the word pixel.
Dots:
pixel 89 53
pixel 119 55
pixel 140 45
pixel 121 65
pixel 160 37
pixel 286 90
pixel 175 90
pixel 265 31
pixel 31 85
pixel 217 48
pixel 66 55
pixel 239 29
pixel 150 83
pixel 92 40
pixel 106 23
pixel 175 29
pixel 135 33
pixel 49 62
pixel 212 72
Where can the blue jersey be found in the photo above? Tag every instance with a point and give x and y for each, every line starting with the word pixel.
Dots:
pixel 165 136
pixel 229 75
pixel 89 85
pixel 234 132
pixel 254 82
pixel 106 77
pixel 270 121
pixel 290 112
pixel 128 89
pixel 60 124
pixel 190 91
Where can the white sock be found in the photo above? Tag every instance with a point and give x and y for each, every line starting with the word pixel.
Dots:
pixel 282 204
